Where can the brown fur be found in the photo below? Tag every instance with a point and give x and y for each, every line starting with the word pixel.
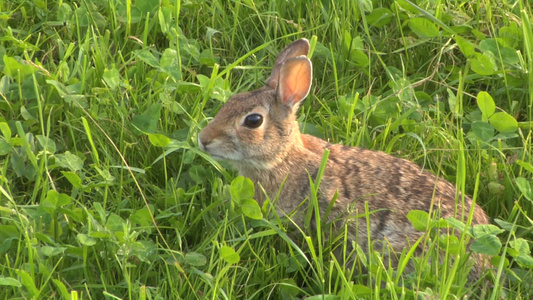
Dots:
pixel 277 151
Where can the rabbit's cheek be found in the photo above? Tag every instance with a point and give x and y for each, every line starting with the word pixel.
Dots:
pixel 248 136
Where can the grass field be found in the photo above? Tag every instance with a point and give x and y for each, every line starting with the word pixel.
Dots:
pixel 105 195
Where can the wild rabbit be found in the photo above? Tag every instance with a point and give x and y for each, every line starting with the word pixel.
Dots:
pixel 257 132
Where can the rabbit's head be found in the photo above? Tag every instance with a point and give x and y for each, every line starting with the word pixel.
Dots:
pixel 255 130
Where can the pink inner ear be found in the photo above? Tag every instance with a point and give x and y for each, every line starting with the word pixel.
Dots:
pixel 295 80
pixel 295 49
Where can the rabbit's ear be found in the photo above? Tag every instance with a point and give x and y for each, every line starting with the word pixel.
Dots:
pixel 295 80
pixel 296 48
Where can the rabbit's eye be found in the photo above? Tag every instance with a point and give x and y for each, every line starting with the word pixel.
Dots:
pixel 253 120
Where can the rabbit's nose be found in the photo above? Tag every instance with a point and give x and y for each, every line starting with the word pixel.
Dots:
pixel 201 145
pixel 203 142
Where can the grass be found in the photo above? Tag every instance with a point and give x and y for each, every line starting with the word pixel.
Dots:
pixel 100 107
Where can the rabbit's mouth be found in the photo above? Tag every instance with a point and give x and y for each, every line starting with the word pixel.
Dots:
pixel 219 155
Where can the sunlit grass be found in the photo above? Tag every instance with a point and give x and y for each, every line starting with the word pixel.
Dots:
pixel 104 194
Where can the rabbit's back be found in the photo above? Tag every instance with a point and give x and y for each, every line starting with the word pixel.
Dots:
pixel 390 184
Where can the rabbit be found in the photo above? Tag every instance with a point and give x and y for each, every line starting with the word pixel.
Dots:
pixel 258 133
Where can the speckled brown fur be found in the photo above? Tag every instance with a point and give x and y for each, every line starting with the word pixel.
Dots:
pixel 276 151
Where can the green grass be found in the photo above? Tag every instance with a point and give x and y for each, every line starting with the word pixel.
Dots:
pixel 100 107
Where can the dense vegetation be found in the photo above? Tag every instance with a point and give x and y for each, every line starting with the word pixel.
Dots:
pixel 104 194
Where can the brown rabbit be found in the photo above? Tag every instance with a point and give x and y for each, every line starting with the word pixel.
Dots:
pixel 258 133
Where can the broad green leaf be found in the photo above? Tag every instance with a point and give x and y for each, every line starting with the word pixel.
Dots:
pixel 195 259
pixel 229 255
pixel 361 290
pixel 495 187
pixel 46 143
pixel 60 88
pixel 450 243
pixel 486 105
pixel 147 121
pixel 5 147
pixel 487 244
pixel 453 222
pixel 380 17
pixel 524 164
pixel 494 46
pixel 158 140
pixel 478 231
pixel 165 18
pixel 241 188
pixel 452 101
pixel 147 57
pixel 9 281
pixel 511 36
pixel 419 219
pixel 288 288
pixel 520 245
pixel 144 250
pixel 347 39
pixel 208 58
pixel 142 217
pixel 509 56
pixel 112 78
pixel 482 130
pixel 198 173
pixel 69 161
pixel 505 225
pixel 64 13
pixel 251 209
pixel 115 223
pixel 465 46
pixel 8 231
pixel 503 122
pixel 44 238
pixel 134 13
pixel 490 45
pixel 85 239
pixel 352 43
pixel 54 200
pixel 146 6
pixel 424 28
pixel 52 251
pixel 105 174
pixel 525 261
pixel 62 289
pixel 189 49
pixel 100 235
pixel 482 65
pixel 170 63
pixel 349 290
pixel 495 261
pixel 73 178
pixel 5 245
pixel 25 113
pixel 424 98
pixel 210 32
pixel 525 187
pixel 6 131
pixel 63 199
pixel 203 80
pixel 13 69
pixel 406 6
pixel 28 282
pixel 290 263
pixel 359 58
pixel 49 203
